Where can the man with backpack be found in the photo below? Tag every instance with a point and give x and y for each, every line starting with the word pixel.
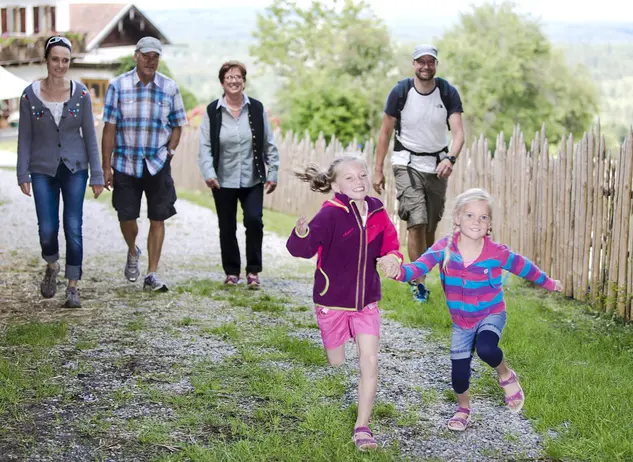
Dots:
pixel 422 110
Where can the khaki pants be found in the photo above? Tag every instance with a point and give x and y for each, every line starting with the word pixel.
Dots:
pixel 421 197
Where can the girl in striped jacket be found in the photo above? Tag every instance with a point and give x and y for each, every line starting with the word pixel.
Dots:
pixel 470 273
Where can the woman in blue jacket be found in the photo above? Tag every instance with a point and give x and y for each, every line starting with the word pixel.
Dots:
pixel 57 143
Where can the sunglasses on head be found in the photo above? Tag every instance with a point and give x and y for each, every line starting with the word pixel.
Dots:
pixel 54 40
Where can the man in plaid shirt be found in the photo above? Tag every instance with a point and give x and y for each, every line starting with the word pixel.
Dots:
pixel 143 115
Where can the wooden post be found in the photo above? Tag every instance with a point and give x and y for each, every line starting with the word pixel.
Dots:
pixel 625 211
pixel 584 223
pixel 571 181
pixel 617 215
pixel 629 287
pixel 596 242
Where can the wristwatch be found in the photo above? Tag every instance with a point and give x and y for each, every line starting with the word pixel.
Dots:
pixel 453 159
pixel 171 152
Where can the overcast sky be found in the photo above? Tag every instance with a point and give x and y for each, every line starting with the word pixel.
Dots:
pixel 546 10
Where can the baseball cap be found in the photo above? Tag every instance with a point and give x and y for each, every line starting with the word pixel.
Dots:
pixel 149 44
pixel 424 50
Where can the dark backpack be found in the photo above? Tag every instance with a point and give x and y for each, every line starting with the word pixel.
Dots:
pixel 405 85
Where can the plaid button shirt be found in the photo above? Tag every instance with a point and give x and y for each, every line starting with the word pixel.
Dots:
pixel 144 117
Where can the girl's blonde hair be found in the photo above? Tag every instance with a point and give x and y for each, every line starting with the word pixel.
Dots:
pixel 321 180
pixel 468 196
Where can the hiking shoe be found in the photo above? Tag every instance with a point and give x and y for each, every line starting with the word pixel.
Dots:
pixel 72 298
pixel 48 287
pixel 421 293
pixel 252 281
pixel 131 266
pixel 152 282
pixel 231 280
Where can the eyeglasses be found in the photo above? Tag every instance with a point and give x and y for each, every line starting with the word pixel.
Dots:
pixel 53 40
pixel 231 78
pixel 151 56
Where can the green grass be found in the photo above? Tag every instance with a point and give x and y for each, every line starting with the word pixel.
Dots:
pixel 276 222
pixel 250 412
pixel 186 322
pixel 236 296
pixel 228 331
pixel 28 368
pixel 301 350
pixel 36 334
pixel 86 344
pixel 575 367
pixel 136 324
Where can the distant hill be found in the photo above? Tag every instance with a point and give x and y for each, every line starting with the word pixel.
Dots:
pixel 236 24
pixel 205 38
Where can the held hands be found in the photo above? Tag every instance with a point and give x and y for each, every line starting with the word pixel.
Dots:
pixel 559 286
pixel 302 226
pixel 389 265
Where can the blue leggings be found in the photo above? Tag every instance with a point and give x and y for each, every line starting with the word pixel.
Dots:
pixel 487 346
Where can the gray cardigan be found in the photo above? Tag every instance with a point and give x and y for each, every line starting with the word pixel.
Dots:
pixel 42 145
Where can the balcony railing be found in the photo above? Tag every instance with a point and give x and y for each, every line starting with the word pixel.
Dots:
pixel 23 50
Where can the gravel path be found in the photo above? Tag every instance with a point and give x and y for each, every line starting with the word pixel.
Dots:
pixel 414 371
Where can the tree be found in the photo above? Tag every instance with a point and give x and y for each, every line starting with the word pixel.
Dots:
pixel 189 99
pixel 333 61
pixel 507 73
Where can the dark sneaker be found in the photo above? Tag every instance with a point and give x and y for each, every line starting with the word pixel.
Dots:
pixel 231 280
pixel 72 298
pixel 421 293
pixel 48 287
pixel 252 281
pixel 131 266
pixel 152 282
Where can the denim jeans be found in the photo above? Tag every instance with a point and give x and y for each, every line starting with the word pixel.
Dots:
pixel 46 191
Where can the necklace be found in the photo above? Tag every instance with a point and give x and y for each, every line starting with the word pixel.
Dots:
pixel 50 94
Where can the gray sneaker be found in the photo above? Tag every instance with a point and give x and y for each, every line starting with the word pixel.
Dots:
pixel 131 266
pixel 72 298
pixel 48 287
pixel 152 282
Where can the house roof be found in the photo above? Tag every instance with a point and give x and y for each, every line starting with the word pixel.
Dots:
pixel 98 20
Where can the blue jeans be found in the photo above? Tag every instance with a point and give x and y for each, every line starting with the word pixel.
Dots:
pixel 46 191
pixel 463 340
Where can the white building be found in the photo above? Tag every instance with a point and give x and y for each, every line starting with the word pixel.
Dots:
pixel 102 34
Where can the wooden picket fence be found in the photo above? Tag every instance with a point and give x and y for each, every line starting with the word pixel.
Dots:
pixel 569 212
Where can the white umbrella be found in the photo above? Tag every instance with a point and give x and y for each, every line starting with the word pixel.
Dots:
pixel 11 86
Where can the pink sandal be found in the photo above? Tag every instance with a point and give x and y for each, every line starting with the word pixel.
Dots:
pixel 464 423
pixel 519 396
pixel 363 444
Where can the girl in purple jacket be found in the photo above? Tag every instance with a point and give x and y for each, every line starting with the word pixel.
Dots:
pixel 470 271
pixel 350 232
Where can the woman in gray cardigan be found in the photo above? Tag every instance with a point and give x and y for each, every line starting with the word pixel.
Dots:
pixel 57 143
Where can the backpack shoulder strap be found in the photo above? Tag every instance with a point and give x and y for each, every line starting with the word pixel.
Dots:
pixel 445 89
pixel 403 88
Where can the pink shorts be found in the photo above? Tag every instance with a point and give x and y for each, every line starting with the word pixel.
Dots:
pixel 338 326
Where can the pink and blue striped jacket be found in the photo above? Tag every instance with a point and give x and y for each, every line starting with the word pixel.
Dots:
pixel 474 292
